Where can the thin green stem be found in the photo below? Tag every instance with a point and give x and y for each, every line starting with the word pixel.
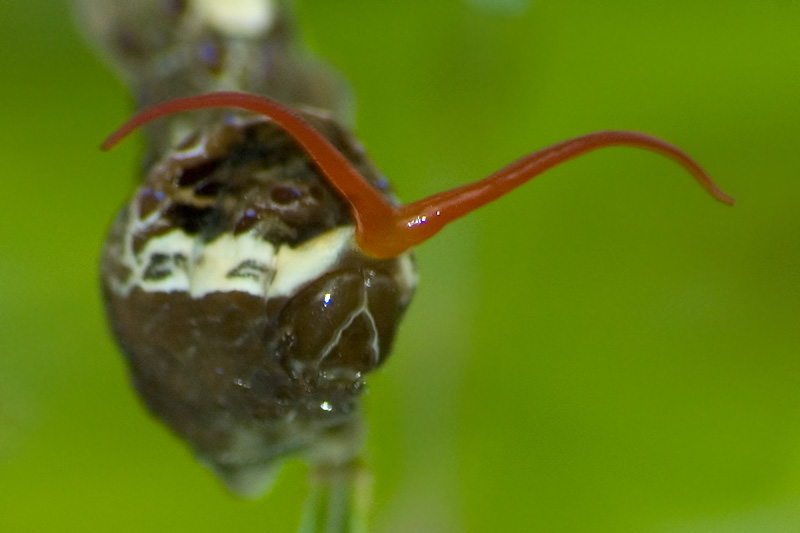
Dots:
pixel 338 501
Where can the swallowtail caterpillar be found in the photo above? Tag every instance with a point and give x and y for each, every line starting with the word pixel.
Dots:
pixel 260 272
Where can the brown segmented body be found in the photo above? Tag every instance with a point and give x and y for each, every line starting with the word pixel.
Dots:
pixel 243 361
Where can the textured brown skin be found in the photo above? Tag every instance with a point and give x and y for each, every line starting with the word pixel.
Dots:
pixel 228 362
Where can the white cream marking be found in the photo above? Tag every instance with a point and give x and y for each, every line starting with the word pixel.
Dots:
pixel 241 18
pixel 214 267
pixel 244 263
pixel 295 267
pixel 174 244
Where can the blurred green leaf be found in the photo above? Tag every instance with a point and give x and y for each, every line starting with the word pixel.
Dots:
pixel 607 349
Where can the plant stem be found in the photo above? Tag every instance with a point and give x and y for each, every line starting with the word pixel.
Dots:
pixel 339 499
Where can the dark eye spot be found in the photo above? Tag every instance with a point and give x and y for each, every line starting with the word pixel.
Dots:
pixel 191 219
pixel 158 268
pixel 190 176
pixel 283 195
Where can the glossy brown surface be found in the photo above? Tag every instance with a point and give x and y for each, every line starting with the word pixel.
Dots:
pixel 245 378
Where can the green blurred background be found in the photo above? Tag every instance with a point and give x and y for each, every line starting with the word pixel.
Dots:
pixel 608 349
